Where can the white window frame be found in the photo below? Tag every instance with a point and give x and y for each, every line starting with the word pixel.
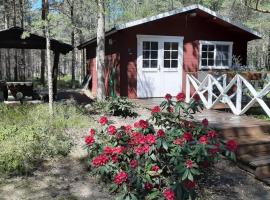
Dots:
pixel 204 42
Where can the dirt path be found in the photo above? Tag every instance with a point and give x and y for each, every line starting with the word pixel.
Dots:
pixel 61 178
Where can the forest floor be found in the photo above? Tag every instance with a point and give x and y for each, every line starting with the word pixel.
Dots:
pixel 69 178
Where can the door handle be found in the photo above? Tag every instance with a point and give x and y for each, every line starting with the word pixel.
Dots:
pixel 159 68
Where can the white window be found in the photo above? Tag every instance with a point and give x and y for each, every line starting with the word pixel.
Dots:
pixel 215 54
pixel 150 54
pixel 171 54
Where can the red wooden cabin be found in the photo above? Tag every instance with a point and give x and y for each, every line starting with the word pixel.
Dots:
pixel 152 55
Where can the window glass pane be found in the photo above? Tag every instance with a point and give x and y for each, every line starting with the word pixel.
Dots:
pixel 174 46
pixel 204 54
pixel 174 55
pixel 225 48
pixel 167 55
pixel 218 63
pixel 204 62
pixel 211 47
pixel 167 45
pixel 146 45
pixel 211 55
pixel 174 63
pixel 146 54
pixel 154 46
pixel 145 63
pixel 153 63
pixel 154 54
pixel 210 62
pixel 166 63
pixel 204 47
pixel 219 47
pixel 226 55
pixel 225 62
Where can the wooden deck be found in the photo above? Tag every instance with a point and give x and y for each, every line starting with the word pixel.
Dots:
pixel 251 134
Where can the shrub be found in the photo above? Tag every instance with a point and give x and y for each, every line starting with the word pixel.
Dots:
pixel 28 136
pixel 160 158
pixel 121 106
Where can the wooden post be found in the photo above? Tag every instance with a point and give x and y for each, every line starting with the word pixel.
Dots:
pixel 55 72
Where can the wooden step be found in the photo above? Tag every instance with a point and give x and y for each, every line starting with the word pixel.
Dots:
pixel 253 147
pixel 244 131
pixel 260 161
pixel 258 165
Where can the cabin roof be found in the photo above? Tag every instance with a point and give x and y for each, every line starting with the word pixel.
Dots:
pixel 200 8
pixel 12 38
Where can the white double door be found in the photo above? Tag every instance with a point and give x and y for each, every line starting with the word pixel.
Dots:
pixel 159 65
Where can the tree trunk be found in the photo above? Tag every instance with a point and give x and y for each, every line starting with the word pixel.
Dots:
pixel 48 55
pixel 100 58
pixel 23 64
pixel 15 50
pixel 42 56
pixel 55 73
pixel 7 52
pixel 73 61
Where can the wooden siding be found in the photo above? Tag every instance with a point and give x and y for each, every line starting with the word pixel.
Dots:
pixel 193 29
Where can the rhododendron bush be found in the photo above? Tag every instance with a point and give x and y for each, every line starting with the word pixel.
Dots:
pixel 163 157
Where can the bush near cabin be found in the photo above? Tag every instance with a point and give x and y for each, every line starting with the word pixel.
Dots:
pixel 160 158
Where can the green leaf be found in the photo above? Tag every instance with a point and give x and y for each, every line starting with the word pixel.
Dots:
pixel 153 157
pixel 185 175
pixel 190 177
pixel 164 145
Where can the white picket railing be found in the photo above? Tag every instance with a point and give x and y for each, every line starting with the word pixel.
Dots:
pixel 237 88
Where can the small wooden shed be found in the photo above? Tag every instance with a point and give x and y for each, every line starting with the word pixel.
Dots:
pixel 152 55
pixel 12 38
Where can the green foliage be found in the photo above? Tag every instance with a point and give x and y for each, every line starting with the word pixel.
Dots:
pixel 121 106
pixel 28 136
pixel 160 158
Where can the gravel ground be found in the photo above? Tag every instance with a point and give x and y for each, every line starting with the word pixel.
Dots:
pixel 68 178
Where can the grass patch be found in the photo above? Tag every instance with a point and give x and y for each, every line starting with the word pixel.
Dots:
pixel 258 113
pixel 28 135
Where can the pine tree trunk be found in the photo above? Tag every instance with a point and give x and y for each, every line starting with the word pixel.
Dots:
pixel 7 51
pixel 73 61
pixel 100 58
pixel 42 56
pixel 48 55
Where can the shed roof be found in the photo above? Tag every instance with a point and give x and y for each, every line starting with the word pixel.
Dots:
pixel 226 20
pixel 12 38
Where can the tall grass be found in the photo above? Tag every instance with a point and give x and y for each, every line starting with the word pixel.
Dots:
pixel 28 135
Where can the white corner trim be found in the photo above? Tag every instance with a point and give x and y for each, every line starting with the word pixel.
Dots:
pixel 183 10
pixel 201 42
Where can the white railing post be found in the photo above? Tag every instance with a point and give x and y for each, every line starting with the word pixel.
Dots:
pixel 239 94
pixel 187 89
pixel 210 92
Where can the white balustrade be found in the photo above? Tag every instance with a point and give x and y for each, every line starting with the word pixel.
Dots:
pixel 238 87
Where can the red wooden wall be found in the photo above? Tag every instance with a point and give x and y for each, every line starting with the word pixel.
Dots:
pixel 193 29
